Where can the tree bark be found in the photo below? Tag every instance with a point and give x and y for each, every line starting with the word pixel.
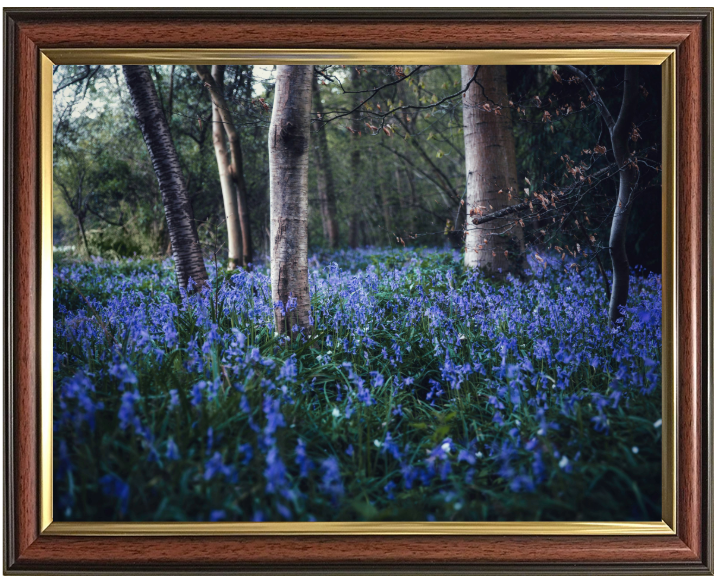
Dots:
pixel 170 94
pixel 490 167
pixel 217 93
pixel 184 239
pixel 288 143
pixel 325 181
pixel 81 227
pixel 232 219
pixel 628 175
pixel 620 131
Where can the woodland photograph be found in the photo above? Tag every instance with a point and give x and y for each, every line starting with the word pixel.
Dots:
pixel 357 293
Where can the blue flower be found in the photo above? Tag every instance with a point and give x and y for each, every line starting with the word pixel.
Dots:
pixel 331 480
pixel 172 452
pixel 117 488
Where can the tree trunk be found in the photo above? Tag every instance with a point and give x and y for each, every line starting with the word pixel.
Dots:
pixel 288 143
pixel 353 224
pixel 217 92
pixel 620 131
pixel 184 239
pixel 325 182
pixel 81 227
pixel 628 175
pixel 490 167
pixel 235 248
pixel 170 94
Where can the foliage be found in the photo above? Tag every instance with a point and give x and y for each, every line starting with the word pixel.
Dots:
pixel 401 176
pixel 424 392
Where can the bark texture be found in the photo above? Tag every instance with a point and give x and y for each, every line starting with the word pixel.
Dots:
pixel 325 181
pixel 178 210
pixel 620 131
pixel 628 176
pixel 490 167
pixel 289 143
pixel 217 93
pixel 232 219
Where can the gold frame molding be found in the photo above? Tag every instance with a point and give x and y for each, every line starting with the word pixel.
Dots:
pixel 666 58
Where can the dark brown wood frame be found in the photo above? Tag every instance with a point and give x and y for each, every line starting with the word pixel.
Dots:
pixel 687 30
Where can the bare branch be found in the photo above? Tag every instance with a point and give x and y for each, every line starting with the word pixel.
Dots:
pixel 594 96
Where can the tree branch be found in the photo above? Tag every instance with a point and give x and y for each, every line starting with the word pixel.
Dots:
pixel 594 96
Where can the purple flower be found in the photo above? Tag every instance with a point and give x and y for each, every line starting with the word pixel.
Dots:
pixel 215 465
pixel 172 452
pixel 115 487
pixel 331 481
pixel 302 460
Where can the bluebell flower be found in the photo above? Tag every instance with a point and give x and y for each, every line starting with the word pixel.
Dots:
pixel 331 481
pixel 113 486
pixel 172 452
pixel 215 465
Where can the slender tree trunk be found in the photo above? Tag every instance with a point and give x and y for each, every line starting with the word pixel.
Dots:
pixel 353 224
pixel 81 227
pixel 217 92
pixel 628 175
pixel 288 143
pixel 326 184
pixel 490 167
pixel 620 131
pixel 235 249
pixel 170 94
pixel 184 239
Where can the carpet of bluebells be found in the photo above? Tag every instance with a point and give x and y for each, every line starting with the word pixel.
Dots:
pixel 423 392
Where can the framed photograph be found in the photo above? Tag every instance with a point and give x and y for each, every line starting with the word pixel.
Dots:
pixel 349 291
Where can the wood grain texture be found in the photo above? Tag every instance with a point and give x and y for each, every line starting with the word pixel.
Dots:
pixel 353 33
pixel 348 551
pixel 25 290
pixel 690 321
pixel 29 32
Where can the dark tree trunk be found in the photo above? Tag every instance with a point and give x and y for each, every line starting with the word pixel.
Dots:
pixel 620 131
pixel 184 239
pixel 81 227
pixel 289 143
pixel 621 216
pixel 325 181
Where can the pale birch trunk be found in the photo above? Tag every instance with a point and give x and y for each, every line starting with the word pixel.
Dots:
pixel 234 240
pixel 490 167
pixel 184 239
pixel 325 181
pixel 288 142
pixel 215 85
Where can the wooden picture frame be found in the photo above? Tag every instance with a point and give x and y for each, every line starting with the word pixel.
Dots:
pixel 29 32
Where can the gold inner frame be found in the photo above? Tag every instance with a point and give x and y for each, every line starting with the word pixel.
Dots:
pixel 663 57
